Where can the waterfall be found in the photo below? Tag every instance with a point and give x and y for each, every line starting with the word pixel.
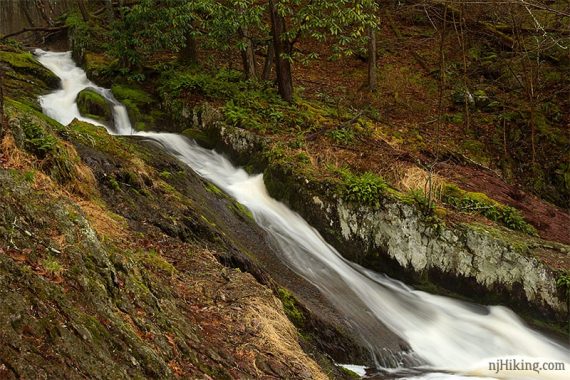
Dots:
pixel 449 338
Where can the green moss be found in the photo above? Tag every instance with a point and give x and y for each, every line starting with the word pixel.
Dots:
pixel 136 95
pixel 98 138
pixel 98 66
pixel 214 189
pixel 114 183
pixel 52 266
pixel 153 260
pixel 92 104
pixel 241 210
pixel 204 138
pixel 138 104
pixel 25 63
pixel 349 373
pixel 165 174
pixel 21 106
pixel 480 203
pixel 290 306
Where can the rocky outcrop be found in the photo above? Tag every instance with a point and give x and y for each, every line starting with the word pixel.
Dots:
pixel 484 263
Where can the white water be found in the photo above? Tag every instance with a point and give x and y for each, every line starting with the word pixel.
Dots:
pixel 449 338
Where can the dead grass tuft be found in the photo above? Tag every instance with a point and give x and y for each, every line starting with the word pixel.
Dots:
pixel 103 221
pixel 13 156
pixel 415 178
pixel 277 334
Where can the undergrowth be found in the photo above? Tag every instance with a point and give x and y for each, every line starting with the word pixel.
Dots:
pixel 480 203
pixel 366 188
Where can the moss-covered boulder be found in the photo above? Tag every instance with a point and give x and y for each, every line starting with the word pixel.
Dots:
pixel 93 105
pixel 24 77
pixel 24 62
pixel 140 106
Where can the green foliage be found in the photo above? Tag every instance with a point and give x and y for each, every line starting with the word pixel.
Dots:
pixel 480 203
pixel 366 188
pixel 290 306
pixel 344 136
pixel 223 85
pixel 37 140
pixel 342 24
pixel 80 32
pixel 249 104
pixel 241 117
pixel 167 24
pixel 563 282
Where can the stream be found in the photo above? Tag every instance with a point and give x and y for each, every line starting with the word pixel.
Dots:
pixel 448 338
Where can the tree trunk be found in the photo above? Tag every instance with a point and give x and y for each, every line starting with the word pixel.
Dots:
pixel 268 61
pixel 189 54
pixel 26 10
pixel 83 10
pixel 248 56
pixel 372 75
pixel 282 47
pixel 44 12
pixel 1 102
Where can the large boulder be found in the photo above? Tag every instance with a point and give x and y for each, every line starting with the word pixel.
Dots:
pixel 93 105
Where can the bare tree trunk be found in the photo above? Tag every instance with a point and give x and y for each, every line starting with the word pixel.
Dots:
pixel 248 55
pixel 530 80
pixel 372 75
pixel 1 102
pixel 44 12
pixel 83 10
pixel 268 61
pixel 189 54
pixel 467 116
pixel 282 48
pixel 26 10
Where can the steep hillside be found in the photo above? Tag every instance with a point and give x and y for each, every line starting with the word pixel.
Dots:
pixel 110 264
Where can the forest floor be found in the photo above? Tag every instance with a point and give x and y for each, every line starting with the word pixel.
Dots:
pixel 405 142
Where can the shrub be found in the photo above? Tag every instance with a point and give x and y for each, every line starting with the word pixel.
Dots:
pixel 366 188
pixel 37 140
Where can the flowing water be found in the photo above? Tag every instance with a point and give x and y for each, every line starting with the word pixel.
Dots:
pixel 448 338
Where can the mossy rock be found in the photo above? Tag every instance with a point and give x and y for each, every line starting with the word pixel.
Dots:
pixel 93 105
pixel 25 63
pixel 139 106
pixel 99 67
pixel 24 78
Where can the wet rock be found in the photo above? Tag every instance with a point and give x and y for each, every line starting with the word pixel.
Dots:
pixel 93 105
